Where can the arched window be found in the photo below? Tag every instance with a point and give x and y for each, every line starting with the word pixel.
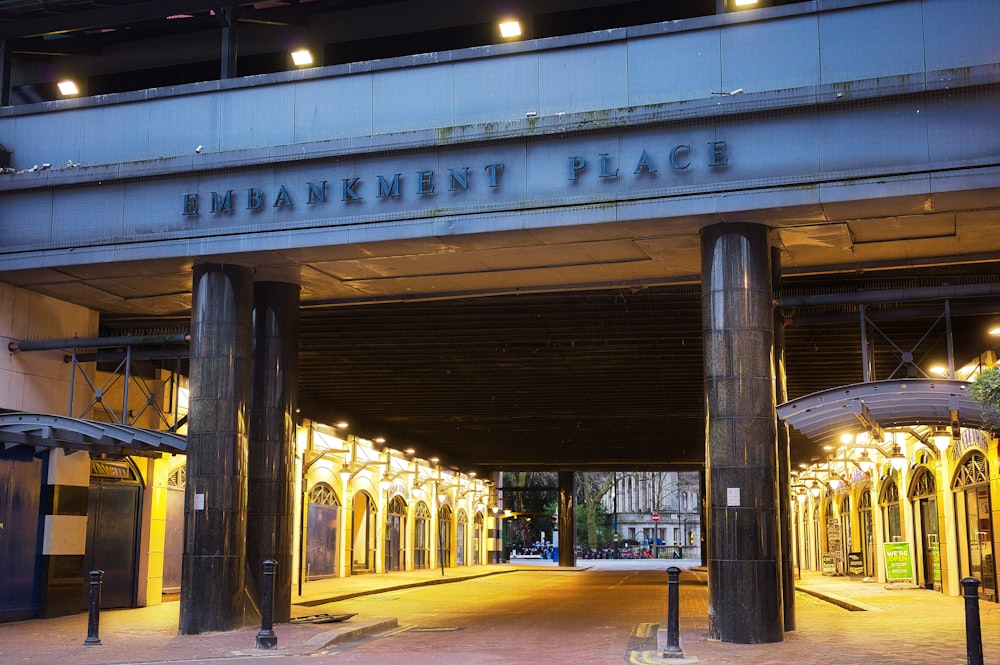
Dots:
pixel 421 535
pixel 889 500
pixel 973 471
pixel 179 477
pixel 324 495
pixel 974 516
pixel 923 484
pixel 323 520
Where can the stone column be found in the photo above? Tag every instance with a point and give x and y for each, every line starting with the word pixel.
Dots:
pixel 744 561
pixel 215 502
pixel 784 454
pixel 567 520
pixel 271 458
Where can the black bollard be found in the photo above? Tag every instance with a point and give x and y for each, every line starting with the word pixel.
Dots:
pixel 266 639
pixel 94 613
pixel 973 631
pixel 673 648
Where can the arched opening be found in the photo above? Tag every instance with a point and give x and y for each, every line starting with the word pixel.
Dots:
pixel 846 540
pixel 395 527
pixel 889 502
pixel 477 539
pixel 975 525
pixel 421 533
pixel 173 541
pixel 323 520
pixel 113 512
pixel 923 495
pixel 445 535
pixel 867 531
pixel 363 532
pixel 460 535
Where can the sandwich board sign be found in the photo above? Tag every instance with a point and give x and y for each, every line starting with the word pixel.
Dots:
pixel 898 565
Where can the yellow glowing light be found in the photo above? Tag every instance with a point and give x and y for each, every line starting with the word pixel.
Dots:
pixel 68 88
pixel 510 29
pixel 302 57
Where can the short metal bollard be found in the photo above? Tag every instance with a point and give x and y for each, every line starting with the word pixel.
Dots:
pixel 973 631
pixel 94 612
pixel 673 648
pixel 266 639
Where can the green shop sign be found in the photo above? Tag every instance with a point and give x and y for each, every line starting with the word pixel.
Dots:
pixel 897 562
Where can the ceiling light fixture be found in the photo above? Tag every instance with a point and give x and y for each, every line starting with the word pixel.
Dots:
pixel 941 438
pixel 302 57
pixel 510 29
pixel 896 458
pixel 68 88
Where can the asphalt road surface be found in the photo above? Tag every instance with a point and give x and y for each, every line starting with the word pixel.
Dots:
pixel 535 616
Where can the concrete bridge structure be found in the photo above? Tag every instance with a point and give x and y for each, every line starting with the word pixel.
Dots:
pixel 373 240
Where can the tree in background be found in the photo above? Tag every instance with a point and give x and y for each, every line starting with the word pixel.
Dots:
pixel 590 489
pixel 533 505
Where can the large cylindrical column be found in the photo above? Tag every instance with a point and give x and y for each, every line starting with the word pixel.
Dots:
pixel 744 576
pixel 567 520
pixel 271 463
pixel 213 566
pixel 784 456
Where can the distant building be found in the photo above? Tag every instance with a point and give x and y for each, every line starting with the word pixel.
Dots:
pixel 657 510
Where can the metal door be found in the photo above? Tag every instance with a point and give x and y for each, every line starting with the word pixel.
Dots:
pixel 20 492
pixel 112 538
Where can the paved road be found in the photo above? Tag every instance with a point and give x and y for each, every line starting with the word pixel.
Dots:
pixel 543 615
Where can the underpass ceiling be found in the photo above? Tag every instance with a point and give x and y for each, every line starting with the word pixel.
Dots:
pixel 578 361
pixel 561 347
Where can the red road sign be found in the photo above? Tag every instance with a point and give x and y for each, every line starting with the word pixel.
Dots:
pixel 656 517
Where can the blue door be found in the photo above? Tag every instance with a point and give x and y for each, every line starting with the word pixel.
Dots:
pixel 20 491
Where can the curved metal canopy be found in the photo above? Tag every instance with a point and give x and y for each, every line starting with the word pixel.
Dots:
pixel 824 416
pixel 41 430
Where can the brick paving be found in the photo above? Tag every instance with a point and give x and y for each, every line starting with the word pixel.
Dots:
pixel 914 627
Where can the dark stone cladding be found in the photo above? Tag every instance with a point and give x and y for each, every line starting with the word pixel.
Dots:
pixel 214 561
pixel 744 559
pixel 271 446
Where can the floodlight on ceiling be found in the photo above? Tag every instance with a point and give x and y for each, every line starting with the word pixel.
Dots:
pixel 510 29
pixel 68 88
pixel 744 3
pixel 302 57
pixel 995 329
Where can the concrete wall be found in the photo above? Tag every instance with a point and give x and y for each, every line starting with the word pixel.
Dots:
pixel 768 50
pixel 38 381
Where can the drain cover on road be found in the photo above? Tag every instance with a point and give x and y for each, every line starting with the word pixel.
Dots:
pixel 446 629
pixel 323 618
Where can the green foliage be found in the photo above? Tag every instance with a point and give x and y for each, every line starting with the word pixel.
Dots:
pixel 986 391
